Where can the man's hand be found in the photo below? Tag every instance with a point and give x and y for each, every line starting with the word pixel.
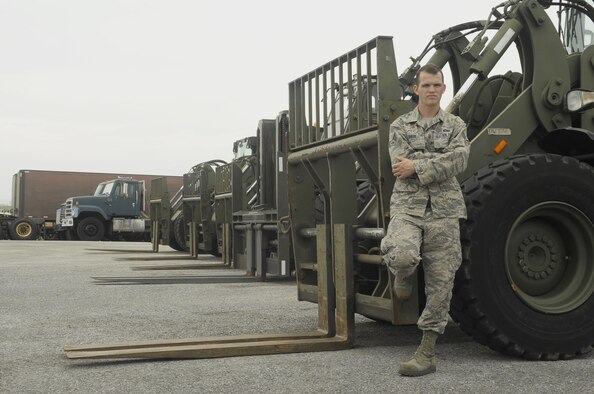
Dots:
pixel 404 168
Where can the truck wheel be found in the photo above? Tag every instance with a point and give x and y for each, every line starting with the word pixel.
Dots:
pixel 70 235
pixel 90 229
pixel 527 278
pixel 23 229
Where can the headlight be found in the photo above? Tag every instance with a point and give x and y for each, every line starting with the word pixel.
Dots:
pixel 579 100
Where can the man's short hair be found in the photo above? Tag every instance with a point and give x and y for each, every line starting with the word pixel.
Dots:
pixel 429 69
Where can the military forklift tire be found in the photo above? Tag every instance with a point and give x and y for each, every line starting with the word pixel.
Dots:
pixel 90 229
pixel 526 282
pixel 178 235
pixel 215 250
pixel 174 245
pixel 23 229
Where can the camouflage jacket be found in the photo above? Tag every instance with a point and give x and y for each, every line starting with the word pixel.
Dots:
pixel 439 152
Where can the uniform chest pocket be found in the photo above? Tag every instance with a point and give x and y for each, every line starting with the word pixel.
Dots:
pixel 441 138
pixel 416 141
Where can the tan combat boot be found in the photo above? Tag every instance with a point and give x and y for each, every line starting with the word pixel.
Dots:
pixel 423 362
pixel 402 287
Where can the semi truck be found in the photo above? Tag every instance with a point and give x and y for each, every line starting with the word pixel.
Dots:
pixel 36 194
pixel 526 284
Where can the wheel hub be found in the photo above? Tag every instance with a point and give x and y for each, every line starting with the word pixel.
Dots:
pixel 547 254
pixel 24 229
pixel 538 257
pixel 535 268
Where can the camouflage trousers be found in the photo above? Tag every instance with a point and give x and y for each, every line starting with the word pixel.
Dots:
pixel 435 241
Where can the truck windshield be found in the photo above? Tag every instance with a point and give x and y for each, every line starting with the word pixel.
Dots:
pixel 104 189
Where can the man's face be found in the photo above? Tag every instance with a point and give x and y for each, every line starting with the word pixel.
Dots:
pixel 430 89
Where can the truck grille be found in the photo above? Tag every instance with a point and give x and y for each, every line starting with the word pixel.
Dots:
pixel 68 208
pixel 64 211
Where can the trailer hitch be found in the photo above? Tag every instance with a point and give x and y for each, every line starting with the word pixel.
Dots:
pixel 336 324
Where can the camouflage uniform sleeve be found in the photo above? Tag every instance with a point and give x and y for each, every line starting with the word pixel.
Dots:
pixel 399 144
pixel 440 166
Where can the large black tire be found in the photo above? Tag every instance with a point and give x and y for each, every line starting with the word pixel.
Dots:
pixel 179 233
pixel 215 247
pixel 23 229
pixel 90 229
pixel 174 237
pixel 527 278
pixel 70 235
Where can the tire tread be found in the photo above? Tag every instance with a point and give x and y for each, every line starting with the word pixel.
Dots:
pixel 465 307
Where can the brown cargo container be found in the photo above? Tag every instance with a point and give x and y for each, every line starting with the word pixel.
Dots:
pixel 37 194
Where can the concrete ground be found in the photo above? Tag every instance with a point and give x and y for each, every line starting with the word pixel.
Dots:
pixel 48 300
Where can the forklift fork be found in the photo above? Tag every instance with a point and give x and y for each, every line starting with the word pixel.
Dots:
pixel 336 326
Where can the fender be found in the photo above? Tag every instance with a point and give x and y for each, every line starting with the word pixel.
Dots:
pixel 83 210
pixel 570 141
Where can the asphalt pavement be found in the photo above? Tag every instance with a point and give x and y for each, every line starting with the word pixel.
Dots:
pixel 48 299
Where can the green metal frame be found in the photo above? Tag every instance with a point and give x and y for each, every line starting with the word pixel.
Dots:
pixel 261 243
pixel 329 165
pixel 160 213
pixel 198 207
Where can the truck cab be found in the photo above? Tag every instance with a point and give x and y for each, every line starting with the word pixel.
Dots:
pixel 122 197
pixel 117 206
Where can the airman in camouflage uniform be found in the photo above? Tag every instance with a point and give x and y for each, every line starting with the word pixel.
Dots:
pixel 428 148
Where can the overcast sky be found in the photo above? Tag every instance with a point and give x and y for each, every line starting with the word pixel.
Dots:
pixel 154 87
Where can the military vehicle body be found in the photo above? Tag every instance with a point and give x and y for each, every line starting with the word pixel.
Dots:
pixel 186 221
pixel 197 225
pixel 200 221
pixel 164 212
pixel 259 216
pixel 526 283
pixel 250 203
pixel 235 210
pixel 235 186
